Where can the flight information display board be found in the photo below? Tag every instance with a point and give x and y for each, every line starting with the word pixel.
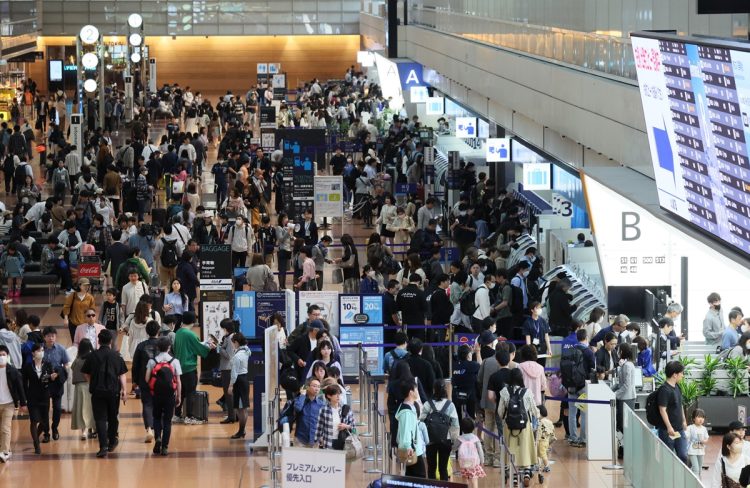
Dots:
pixel 696 101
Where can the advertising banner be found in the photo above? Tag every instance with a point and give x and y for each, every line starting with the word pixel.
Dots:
pixel 302 148
pixel 361 322
pixel 152 76
pixel 214 307
pixel 244 312
pixel 216 267
pixel 328 301
pixel 268 117
pixel 279 80
pixel 76 133
pixel 329 196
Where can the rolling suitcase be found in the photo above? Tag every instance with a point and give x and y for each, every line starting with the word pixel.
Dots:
pixel 198 405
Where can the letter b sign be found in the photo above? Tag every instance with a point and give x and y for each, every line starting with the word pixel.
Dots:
pixel 630 229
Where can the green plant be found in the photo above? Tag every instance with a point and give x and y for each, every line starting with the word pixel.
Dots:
pixel 659 379
pixel 737 371
pixel 690 392
pixel 688 363
pixel 707 384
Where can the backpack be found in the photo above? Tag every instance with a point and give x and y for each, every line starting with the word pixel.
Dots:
pixel 438 423
pixel 163 380
pixel 396 360
pixel 516 300
pixel 468 304
pixel 19 175
pixel 516 417
pixel 572 368
pixel 652 409
pixel 468 457
pixel 169 253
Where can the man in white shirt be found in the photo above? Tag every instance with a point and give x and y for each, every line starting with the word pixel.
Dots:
pixel 241 238
pixel 37 210
pixel 132 293
pixel 482 301
pixel 149 149
pixel 11 396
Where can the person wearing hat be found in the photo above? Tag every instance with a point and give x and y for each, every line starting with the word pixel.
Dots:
pixel 75 306
pixel 487 341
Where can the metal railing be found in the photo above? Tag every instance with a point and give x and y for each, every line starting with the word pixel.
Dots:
pixel 594 52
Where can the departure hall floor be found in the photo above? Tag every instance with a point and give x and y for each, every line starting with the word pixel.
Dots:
pixel 203 455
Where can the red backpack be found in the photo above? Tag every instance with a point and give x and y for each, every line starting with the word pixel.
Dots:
pixel 163 380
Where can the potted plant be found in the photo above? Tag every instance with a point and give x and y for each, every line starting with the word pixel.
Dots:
pixel 737 371
pixel 690 393
pixel 723 390
pixel 707 383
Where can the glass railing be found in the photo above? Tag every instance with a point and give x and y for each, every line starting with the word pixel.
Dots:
pixel 648 461
pixel 374 7
pixel 590 51
pixel 19 27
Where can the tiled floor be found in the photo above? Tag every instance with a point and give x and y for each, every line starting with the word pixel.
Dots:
pixel 204 456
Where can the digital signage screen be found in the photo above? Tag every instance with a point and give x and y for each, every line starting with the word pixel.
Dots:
pixel 723 6
pixel 696 102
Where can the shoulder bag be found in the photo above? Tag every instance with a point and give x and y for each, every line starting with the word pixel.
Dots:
pixel 408 457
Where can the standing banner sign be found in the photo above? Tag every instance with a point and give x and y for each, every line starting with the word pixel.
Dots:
pixel 303 468
pixel 152 76
pixel 328 301
pixel 268 117
pixel 361 321
pixel 329 196
pixel 268 139
pixel 266 305
pixel 302 148
pixel 76 133
pixel 215 307
pixel 216 267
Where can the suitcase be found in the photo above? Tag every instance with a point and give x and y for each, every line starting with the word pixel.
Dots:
pixel 159 216
pixel 198 406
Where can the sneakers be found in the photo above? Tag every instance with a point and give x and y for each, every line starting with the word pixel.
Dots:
pixel 194 421
pixel 227 421
pixel 4 456
pixel 102 453
pixel 149 436
pixel 177 420
pixel 164 451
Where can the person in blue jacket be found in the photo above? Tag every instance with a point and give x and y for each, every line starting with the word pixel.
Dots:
pixel 368 284
pixel 645 357
pixel 307 410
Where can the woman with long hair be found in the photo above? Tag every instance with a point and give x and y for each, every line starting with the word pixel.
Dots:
pixel 284 239
pixel 82 416
pixel 135 326
pixel 239 385
pixel 350 264
pixel 411 265
pixel 175 302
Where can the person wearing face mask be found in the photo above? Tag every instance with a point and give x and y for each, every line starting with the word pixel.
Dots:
pixel 463 229
pixel 368 284
pixel 482 302
pixel 729 466
pixel 520 294
pixel 36 380
pixel 713 324
pixel 12 396
pixel 536 331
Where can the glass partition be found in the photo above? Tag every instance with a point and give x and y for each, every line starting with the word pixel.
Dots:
pixel 648 462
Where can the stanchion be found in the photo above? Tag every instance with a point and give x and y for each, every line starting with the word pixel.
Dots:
pixel 361 400
pixel 503 453
pixel 271 457
pixel 613 414
pixel 367 404
pixel 386 448
pixel 374 457
pixel 450 351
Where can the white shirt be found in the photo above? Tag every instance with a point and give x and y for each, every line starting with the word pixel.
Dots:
pixel 36 211
pixel 482 300
pixel 733 470
pixel 190 150
pixel 131 294
pixel 5 396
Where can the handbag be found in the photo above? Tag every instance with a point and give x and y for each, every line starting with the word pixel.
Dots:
pixel 178 187
pixel 337 276
pixel 349 263
pixel 353 447
pixel 269 283
pixel 726 481
pixel 408 457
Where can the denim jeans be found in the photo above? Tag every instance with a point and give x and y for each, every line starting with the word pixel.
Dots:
pixel 679 445
pixel 573 394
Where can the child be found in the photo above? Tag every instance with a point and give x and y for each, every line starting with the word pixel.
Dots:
pixel 470 453
pixel 545 437
pixel 12 263
pixel 111 316
pixel 697 436
pixel 368 284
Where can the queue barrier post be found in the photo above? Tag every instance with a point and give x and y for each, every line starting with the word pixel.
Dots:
pixel 613 414
pixel 503 454
pixel 361 366
pixel 514 473
pixel 375 445
pixel 375 431
pixel 366 405
pixel 450 350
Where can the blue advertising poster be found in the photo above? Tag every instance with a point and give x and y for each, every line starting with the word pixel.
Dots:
pixel 266 305
pixel 372 306
pixel 244 312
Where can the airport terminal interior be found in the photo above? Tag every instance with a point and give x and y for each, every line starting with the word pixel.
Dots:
pixel 375 243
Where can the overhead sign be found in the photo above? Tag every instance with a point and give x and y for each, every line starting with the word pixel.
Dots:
pixel 497 150
pixel 537 176
pixel 274 68
pixel 466 127
pixel 410 74
pixel 329 191
pixel 418 94
pixel 435 106
pixel 304 468
pixel 262 69
pixel 365 58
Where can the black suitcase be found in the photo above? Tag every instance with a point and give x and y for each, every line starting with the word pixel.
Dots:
pixel 197 406
pixel 159 216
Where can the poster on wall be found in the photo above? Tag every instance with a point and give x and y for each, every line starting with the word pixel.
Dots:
pixel 329 196
pixel 435 106
pixel 214 307
pixel 361 318
pixel 244 312
pixel 328 301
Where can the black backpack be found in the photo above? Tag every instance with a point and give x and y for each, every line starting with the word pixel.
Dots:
pixel 516 300
pixel 438 423
pixel 652 409
pixel 516 417
pixel 169 253
pixel 572 367
pixel 467 303
pixel 19 175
